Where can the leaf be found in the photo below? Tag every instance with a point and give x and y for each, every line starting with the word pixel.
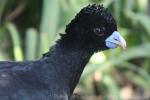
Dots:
pixel 117 9
pixel 49 24
pixel 31 44
pixel 2 6
pixel 18 54
pixel 144 21
pixel 106 3
pixel 138 80
pixel 134 52
pixel 112 86
pixel 50 17
pixel 138 70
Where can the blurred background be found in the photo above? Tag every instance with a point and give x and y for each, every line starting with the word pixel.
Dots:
pixel 29 27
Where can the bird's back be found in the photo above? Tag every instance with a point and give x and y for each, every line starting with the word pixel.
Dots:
pixel 20 81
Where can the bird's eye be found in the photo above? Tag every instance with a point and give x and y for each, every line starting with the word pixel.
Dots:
pixel 99 31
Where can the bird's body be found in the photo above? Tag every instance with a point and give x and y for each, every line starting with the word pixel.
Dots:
pixel 55 75
pixel 42 78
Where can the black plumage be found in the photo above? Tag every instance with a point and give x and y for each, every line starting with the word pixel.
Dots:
pixel 55 75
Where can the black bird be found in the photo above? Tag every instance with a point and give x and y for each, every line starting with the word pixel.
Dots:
pixel 55 75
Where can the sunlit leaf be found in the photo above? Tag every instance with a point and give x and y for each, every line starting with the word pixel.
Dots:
pixel 18 54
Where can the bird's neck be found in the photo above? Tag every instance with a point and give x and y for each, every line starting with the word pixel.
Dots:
pixel 70 63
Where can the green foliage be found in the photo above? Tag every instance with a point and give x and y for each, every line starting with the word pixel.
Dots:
pixel 31 44
pixel 16 41
pixel 32 27
pixel 49 24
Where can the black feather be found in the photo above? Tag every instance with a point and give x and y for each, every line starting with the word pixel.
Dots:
pixel 55 75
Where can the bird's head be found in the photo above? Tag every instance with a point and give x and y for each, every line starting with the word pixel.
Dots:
pixel 94 28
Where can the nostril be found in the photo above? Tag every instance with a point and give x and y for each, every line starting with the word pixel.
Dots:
pixel 115 39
